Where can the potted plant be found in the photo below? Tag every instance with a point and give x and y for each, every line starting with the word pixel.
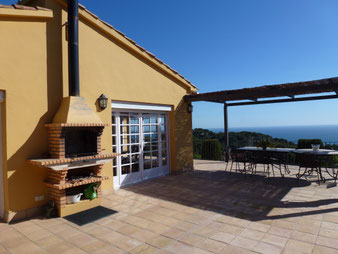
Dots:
pixel 264 143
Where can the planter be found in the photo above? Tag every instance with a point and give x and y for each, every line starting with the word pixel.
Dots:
pixel 71 199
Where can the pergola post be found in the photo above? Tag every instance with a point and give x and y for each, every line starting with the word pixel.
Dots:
pixel 226 133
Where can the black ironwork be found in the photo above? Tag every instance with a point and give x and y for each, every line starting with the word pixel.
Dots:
pixel 226 134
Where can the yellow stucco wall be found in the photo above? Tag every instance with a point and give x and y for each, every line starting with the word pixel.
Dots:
pixel 23 77
pixel 34 74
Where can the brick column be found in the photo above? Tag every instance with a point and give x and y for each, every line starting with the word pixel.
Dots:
pixel 56 142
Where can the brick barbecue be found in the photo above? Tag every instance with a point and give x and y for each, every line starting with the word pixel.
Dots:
pixel 75 157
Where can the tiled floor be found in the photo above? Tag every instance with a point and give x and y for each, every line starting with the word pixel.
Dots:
pixel 206 211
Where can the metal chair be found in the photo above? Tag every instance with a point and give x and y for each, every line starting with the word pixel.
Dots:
pixel 311 164
pixel 279 161
pixel 238 157
pixel 263 158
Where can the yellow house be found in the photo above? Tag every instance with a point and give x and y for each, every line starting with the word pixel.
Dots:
pixel 146 120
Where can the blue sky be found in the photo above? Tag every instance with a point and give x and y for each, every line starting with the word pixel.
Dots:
pixel 231 44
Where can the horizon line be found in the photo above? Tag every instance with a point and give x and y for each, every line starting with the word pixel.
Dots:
pixel 241 127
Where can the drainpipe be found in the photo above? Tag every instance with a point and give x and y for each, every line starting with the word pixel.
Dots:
pixel 73 48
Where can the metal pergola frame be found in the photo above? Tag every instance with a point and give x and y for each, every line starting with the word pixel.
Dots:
pixel 280 93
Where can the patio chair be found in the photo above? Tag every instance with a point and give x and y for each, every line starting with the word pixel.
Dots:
pixel 331 167
pixel 311 164
pixel 238 157
pixel 263 158
pixel 279 161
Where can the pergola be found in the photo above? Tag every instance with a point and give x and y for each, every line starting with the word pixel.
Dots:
pixel 289 92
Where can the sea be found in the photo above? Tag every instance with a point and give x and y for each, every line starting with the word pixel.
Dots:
pixel 327 133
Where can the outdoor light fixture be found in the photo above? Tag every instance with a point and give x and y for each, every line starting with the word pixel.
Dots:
pixel 190 108
pixel 102 101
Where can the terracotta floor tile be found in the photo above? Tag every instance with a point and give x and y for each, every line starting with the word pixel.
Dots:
pixel 244 243
pixel 223 237
pixel 233 221
pixel 180 216
pixel 157 228
pixel 115 224
pixel 185 226
pixel 74 250
pixel 328 233
pixel 58 248
pixel 311 229
pixel 195 219
pixel 81 239
pixel 283 232
pixel 305 237
pixel 259 226
pixel 27 247
pixel 331 218
pixel 144 249
pixel 173 233
pixel 143 235
pixel 94 246
pixel 192 239
pixel 327 242
pixel 108 250
pixel 232 229
pixel 298 246
pixel 212 245
pixel 205 231
pixel 284 224
pixel 252 234
pixel 275 240
pixel 128 229
pixel 324 250
pixel 230 249
pixel 160 241
pixel 266 248
pixel 125 243
pixel 178 247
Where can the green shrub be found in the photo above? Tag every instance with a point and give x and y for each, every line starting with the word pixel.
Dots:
pixel 197 156
pixel 211 150
pixel 306 143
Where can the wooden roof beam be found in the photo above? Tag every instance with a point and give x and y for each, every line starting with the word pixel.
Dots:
pixel 310 98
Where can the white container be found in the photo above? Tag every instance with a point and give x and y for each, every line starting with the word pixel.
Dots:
pixel 315 147
pixel 71 199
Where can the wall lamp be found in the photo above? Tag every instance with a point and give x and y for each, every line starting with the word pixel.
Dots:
pixel 190 108
pixel 102 101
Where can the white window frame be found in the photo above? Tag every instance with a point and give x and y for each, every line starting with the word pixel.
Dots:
pixel 142 108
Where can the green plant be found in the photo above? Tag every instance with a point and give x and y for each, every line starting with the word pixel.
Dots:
pixel 197 156
pixel 306 143
pixel 264 143
pixel 211 150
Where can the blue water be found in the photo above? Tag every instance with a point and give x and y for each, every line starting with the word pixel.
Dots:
pixel 327 133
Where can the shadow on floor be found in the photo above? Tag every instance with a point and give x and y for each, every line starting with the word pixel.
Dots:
pixel 233 194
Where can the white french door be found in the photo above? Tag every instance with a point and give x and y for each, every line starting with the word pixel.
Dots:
pixel 142 140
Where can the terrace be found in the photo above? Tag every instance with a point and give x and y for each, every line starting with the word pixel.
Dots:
pixel 204 211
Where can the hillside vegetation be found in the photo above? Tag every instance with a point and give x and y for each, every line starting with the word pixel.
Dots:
pixel 237 139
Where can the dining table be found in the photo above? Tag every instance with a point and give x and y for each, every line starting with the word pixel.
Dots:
pixel 269 149
pixel 323 155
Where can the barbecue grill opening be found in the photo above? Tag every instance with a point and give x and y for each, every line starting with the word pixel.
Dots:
pixel 81 142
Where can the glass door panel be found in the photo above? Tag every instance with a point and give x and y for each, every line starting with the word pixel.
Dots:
pixel 141 139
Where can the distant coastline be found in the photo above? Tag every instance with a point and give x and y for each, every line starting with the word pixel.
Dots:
pixel 327 133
